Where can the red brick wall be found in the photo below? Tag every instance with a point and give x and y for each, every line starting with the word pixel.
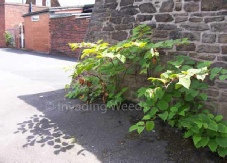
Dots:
pixel 2 23
pixel 67 30
pixel 11 15
pixel 37 35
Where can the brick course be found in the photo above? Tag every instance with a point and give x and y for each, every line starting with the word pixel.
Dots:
pixel 67 30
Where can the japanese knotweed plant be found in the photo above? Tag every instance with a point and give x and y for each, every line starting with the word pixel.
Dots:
pixel 103 67
pixel 178 98
pixel 175 95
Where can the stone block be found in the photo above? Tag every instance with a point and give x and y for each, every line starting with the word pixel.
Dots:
pixel 208 49
pixel 224 49
pixel 147 8
pixel 126 2
pixel 214 19
pixel 178 6
pixel 219 27
pixel 120 35
pixel 142 18
pixel 191 7
pixel 163 18
pixel 116 20
pixel 203 56
pixel 222 38
pixel 128 19
pixel 195 19
pixel 195 26
pixel 213 5
pixel 167 27
pixel 208 38
pixel 167 6
pixel 186 47
pixel 180 19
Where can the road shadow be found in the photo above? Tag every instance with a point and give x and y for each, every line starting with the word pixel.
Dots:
pixel 64 123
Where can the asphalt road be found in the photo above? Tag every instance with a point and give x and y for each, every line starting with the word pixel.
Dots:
pixel 38 125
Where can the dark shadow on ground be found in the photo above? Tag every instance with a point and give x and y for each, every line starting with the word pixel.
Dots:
pixel 45 55
pixel 64 122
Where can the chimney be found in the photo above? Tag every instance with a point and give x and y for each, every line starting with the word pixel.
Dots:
pixel 30 7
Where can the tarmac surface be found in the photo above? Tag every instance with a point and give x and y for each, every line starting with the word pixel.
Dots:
pixel 39 125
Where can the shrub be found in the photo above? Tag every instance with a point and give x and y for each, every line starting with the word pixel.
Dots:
pixel 175 94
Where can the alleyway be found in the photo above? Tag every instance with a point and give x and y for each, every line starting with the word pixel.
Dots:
pixel 37 124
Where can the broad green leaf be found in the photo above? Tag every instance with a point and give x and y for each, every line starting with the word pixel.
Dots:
pixel 184 81
pixel 149 125
pixel 203 96
pixel 171 115
pixel 196 138
pixel 174 109
pixel 163 116
pixel 146 117
pixel 218 118
pixel 153 111
pixel 221 141
pixel 132 128
pixel 223 71
pixel 212 145
pixel 140 129
pixel 222 128
pixel 163 105
pixel 188 134
pixel 222 151
pixel 223 77
pixel 215 70
pixel 213 126
pixel 204 141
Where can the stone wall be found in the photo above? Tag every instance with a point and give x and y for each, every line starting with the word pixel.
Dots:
pixel 203 22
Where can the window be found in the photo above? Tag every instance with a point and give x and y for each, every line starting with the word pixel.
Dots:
pixel 48 3
pixel 39 2
pixel 35 18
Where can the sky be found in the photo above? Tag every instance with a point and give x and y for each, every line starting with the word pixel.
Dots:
pixel 64 2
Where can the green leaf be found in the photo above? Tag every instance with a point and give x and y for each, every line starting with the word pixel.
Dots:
pixel 149 125
pixel 153 111
pixel 146 117
pixel 204 141
pixel 221 141
pixel 218 118
pixel 163 105
pixel 188 134
pixel 140 129
pixel 215 70
pixel 222 128
pixel 222 151
pixel 203 96
pixel 223 77
pixel 132 128
pixel 223 71
pixel 174 109
pixel 213 126
pixel 171 115
pixel 212 145
pixel 184 81
pixel 196 138
pixel 163 116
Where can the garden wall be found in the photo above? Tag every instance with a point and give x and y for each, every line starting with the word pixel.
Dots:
pixel 203 22
pixel 64 30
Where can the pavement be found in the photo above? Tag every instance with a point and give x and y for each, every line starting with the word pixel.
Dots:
pixel 39 125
